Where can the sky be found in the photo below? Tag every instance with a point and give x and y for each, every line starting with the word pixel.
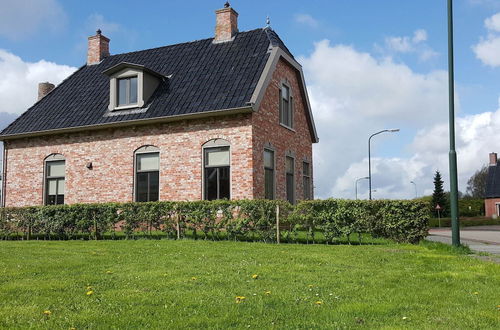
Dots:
pixel 369 65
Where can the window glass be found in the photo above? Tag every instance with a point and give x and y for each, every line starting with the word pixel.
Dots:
pixel 122 91
pixel 133 90
pixel 61 186
pixel 52 187
pixel 285 93
pixel 148 162
pixel 290 184
pixel 289 165
pixel 268 159
pixel 306 180
pixel 55 169
pixel 217 157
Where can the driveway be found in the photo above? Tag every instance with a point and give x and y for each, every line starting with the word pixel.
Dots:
pixel 480 238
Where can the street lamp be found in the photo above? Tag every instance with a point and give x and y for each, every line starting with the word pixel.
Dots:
pixel 415 188
pixel 455 226
pixel 356 185
pixel 392 130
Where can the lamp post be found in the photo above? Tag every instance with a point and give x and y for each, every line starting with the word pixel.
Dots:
pixel 455 230
pixel 415 188
pixel 356 185
pixel 392 130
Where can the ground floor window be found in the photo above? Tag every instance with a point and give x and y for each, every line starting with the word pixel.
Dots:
pixel 268 174
pixel 147 177
pixel 216 173
pixel 290 179
pixel 55 181
pixel 306 180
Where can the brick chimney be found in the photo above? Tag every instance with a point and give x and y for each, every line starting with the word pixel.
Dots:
pixel 226 25
pixel 493 159
pixel 98 48
pixel 44 88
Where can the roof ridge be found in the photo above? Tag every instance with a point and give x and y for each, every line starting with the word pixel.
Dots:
pixel 178 44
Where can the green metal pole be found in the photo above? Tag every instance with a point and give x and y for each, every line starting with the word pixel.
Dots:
pixel 455 229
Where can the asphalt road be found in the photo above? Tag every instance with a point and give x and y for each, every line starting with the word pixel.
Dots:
pixel 480 239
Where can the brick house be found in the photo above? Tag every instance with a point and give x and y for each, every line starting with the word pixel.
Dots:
pixel 492 198
pixel 225 117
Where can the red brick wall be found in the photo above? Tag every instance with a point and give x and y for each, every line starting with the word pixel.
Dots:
pixel 267 129
pixel 111 152
pixel 490 206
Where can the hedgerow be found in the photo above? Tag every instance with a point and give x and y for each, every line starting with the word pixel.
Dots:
pixel 249 220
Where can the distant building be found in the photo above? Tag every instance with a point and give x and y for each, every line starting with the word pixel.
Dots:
pixel 492 200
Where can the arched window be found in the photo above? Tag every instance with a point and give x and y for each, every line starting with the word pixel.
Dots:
pixel 216 170
pixel 55 174
pixel 147 174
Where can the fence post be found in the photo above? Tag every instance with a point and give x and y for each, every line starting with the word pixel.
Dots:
pixel 178 226
pixel 278 224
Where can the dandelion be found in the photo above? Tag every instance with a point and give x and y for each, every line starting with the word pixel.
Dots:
pixel 47 313
pixel 498 307
pixel 109 272
pixel 476 293
pixel 255 276
pixel 267 293
pixel 319 303
pixel 240 299
pixel 193 278
pixel 90 292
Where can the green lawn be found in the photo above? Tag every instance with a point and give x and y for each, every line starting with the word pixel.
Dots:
pixel 185 284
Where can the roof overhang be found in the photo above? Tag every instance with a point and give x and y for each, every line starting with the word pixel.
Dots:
pixel 276 54
pixel 135 122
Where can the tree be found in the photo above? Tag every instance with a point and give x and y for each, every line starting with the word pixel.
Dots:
pixel 438 196
pixel 476 186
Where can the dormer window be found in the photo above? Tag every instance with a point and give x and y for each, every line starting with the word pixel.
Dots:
pixel 131 86
pixel 127 91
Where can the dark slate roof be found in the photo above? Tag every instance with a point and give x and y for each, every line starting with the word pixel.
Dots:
pixel 203 76
pixel 493 182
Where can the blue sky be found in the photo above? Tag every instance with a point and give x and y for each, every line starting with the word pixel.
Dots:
pixel 400 47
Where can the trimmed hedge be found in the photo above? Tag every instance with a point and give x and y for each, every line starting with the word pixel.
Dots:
pixel 254 220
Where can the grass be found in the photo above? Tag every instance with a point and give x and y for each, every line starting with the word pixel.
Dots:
pixel 194 284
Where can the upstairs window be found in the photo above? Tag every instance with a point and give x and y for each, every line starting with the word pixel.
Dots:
pixel 306 180
pixel 147 188
pixel 286 107
pixel 55 168
pixel 127 91
pixel 268 174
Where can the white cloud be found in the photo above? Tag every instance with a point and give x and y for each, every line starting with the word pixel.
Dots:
pixel 21 18
pixel 411 44
pixel 19 80
pixel 354 94
pixel 307 20
pixel 488 48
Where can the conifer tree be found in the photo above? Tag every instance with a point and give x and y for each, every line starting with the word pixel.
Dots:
pixel 438 196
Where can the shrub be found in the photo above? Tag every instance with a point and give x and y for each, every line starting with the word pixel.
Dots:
pixel 402 221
